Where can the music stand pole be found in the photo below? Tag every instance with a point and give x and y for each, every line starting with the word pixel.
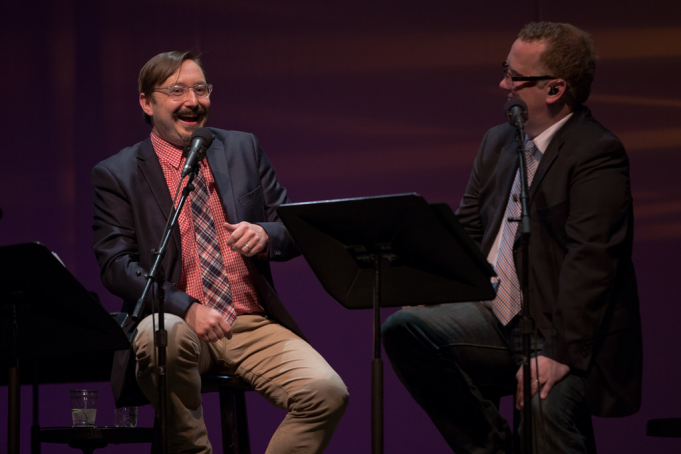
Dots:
pixel 13 388
pixel 431 260
pixel 526 321
pixel 377 365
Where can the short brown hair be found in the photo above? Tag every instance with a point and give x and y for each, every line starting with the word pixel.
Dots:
pixel 160 68
pixel 569 54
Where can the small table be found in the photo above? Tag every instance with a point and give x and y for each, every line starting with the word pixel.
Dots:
pixel 88 439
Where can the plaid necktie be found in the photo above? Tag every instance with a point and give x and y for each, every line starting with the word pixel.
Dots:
pixel 213 271
pixel 507 302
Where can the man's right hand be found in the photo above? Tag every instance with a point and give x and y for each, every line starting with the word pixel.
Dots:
pixel 208 323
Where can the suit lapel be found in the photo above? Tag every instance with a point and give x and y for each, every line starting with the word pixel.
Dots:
pixel 553 149
pixel 220 162
pixel 150 167
pixel 547 159
pixel 505 171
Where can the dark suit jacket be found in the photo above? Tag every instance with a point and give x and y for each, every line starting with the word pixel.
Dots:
pixel 583 293
pixel 131 204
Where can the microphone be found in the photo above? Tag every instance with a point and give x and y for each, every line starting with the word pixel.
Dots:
pixel 516 112
pixel 199 142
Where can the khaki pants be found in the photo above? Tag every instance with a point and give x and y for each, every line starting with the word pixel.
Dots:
pixel 282 368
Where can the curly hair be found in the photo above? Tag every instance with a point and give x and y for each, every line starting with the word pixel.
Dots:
pixel 159 68
pixel 569 54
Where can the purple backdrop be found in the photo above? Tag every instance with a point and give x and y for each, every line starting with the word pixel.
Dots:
pixel 350 98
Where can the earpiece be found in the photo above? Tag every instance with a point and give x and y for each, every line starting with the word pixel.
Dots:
pixel 553 91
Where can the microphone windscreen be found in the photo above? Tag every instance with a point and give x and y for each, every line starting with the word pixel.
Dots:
pixel 205 134
pixel 516 112
pixel 513 102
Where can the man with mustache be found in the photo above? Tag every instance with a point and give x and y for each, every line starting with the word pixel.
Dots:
pixel 222 312
pixel 458 359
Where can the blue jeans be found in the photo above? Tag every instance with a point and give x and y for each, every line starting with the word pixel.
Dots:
pixel 457 360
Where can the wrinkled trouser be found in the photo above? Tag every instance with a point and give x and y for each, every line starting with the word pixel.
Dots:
pixel 281 367
pixel 456 360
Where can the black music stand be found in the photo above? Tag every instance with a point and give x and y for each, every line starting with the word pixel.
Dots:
pixel 48 315
pixel 388 251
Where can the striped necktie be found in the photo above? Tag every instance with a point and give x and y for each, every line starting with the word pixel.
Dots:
pixel 507 302
pixel 216 286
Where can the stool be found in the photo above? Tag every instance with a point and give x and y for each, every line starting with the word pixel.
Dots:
pixel 231 389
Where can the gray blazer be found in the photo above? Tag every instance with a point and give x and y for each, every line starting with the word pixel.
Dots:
pixel 131 204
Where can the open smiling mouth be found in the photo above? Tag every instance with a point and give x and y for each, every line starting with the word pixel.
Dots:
pixel 190 117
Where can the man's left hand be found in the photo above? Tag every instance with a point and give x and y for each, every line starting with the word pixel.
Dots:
pixel 550 373
pixel 246 238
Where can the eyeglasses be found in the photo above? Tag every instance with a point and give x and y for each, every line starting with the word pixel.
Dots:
pixel 180 92
pixel 511 78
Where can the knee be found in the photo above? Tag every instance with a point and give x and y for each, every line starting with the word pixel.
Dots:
pixel 564 405
pixel 398 333
pixel 550 413
pixel 143 343
pixel 183 343
pixel 395 326
pixel 322 397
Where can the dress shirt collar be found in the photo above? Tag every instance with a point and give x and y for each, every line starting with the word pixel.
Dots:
pixel 166 151
pixel 542 140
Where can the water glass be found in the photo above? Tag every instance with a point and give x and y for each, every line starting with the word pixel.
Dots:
pixel 83 407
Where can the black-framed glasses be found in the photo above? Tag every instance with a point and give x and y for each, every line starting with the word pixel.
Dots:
pixel 508 75
pixel 180 92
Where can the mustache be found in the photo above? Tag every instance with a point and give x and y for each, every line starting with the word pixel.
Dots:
pixel 198 112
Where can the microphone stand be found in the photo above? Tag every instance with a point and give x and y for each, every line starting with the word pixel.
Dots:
pixel 156 278
pixel 526 322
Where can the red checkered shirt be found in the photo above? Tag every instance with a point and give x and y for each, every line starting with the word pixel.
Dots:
pixel 244 295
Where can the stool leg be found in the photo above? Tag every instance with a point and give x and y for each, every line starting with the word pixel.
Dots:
pixel 235 439
pixel 230 442
pixel 242 422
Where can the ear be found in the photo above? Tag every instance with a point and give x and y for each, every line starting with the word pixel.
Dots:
pixel 555 90
pixel 145 103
